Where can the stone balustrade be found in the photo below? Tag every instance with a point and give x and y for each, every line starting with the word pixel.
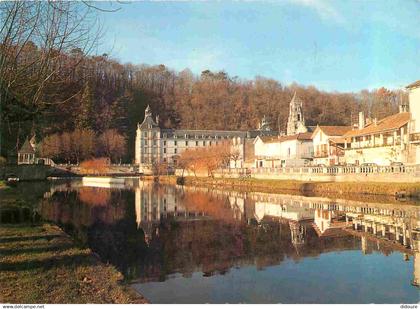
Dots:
pixel 375 173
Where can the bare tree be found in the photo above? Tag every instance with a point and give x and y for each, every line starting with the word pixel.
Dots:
pixel 34 36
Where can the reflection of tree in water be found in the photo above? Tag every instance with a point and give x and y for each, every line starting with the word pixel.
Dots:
pixel 94 196
pixel 108 229
pixel 211 205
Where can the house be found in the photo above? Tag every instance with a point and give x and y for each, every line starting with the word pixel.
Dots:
pixel 281 151
pixel 328 143
pixel 395 138
pixel 381 141
pixel 414 104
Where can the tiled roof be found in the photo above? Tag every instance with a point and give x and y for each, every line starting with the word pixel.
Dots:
pixel 389 123
pixel 278 139
pixel 414 85
pixel 26 147
pixel 335 130
pixel 337 140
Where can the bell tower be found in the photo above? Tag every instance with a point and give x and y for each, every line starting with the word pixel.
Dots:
pixel 296 121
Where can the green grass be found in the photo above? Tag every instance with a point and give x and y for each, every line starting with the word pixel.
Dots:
pixel 41 264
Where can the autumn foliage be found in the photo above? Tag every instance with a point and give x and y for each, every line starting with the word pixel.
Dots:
pixel 83 144
pixel 205 159
pixel 95 166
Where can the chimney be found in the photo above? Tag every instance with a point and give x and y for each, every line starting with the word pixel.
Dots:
pixel 375 121
pixel 361 120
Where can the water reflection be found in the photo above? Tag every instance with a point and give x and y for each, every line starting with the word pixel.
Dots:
pixel 154 233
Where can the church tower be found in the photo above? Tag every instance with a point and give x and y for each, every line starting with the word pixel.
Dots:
pixel 296 121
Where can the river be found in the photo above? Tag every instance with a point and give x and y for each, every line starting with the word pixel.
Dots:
pixel 199 245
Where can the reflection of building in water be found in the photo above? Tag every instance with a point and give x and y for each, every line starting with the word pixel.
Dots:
pixel 154 203
pixel 329 223
pixel 297 233
pixel 383 227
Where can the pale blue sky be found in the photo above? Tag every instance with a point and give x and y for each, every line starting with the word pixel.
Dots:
pixel 334 45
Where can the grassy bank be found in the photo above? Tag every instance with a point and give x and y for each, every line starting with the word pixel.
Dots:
pixel 41 264
pixel 316 188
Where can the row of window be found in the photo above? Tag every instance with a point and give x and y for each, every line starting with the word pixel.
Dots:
pixel 197 143
pixel 189 136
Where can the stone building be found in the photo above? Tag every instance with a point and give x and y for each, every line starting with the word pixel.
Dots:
pixel 414 106
pixel 392 139
pixel 328 144
pixel 158 145
pixel 381 141
pixel 282 151
pixel 296 120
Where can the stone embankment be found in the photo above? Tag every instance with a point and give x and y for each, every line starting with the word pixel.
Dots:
pixel 317 188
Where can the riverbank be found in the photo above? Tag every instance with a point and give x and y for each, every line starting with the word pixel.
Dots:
pixel 316 188
pixel 41 264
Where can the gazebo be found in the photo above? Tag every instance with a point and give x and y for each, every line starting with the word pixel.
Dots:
pixel 26 154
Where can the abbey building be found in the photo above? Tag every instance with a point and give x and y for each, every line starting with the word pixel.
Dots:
pixel 159 145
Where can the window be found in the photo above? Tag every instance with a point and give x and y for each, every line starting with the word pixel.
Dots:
pixel 164 143
pixel 164 150
pixel 186 143
pixel 210 143
pixel 154 142
pixel 145 142
pixel 204 143
pixel 196 143
pixel 175 143
pixel 175 150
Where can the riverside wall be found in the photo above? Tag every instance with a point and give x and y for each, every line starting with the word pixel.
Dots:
pixel 385 174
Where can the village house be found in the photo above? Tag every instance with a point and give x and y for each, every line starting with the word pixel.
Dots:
pixel 243 149
pixel 281 151
pixel 414 104
pixel 380 142
pixel 328 143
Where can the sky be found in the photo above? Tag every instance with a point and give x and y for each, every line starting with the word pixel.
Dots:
pixel 334 45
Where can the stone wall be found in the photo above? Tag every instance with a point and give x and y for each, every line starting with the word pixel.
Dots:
pixel 25 171
pixel 410 174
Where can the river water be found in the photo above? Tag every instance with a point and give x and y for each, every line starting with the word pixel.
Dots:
pixel 199 245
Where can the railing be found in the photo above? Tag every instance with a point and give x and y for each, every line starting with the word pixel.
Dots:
pixel 330 170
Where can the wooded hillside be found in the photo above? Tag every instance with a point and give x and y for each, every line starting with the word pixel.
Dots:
pixel 99 93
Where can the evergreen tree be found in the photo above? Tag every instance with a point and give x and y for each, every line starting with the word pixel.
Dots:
pixel 84 116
